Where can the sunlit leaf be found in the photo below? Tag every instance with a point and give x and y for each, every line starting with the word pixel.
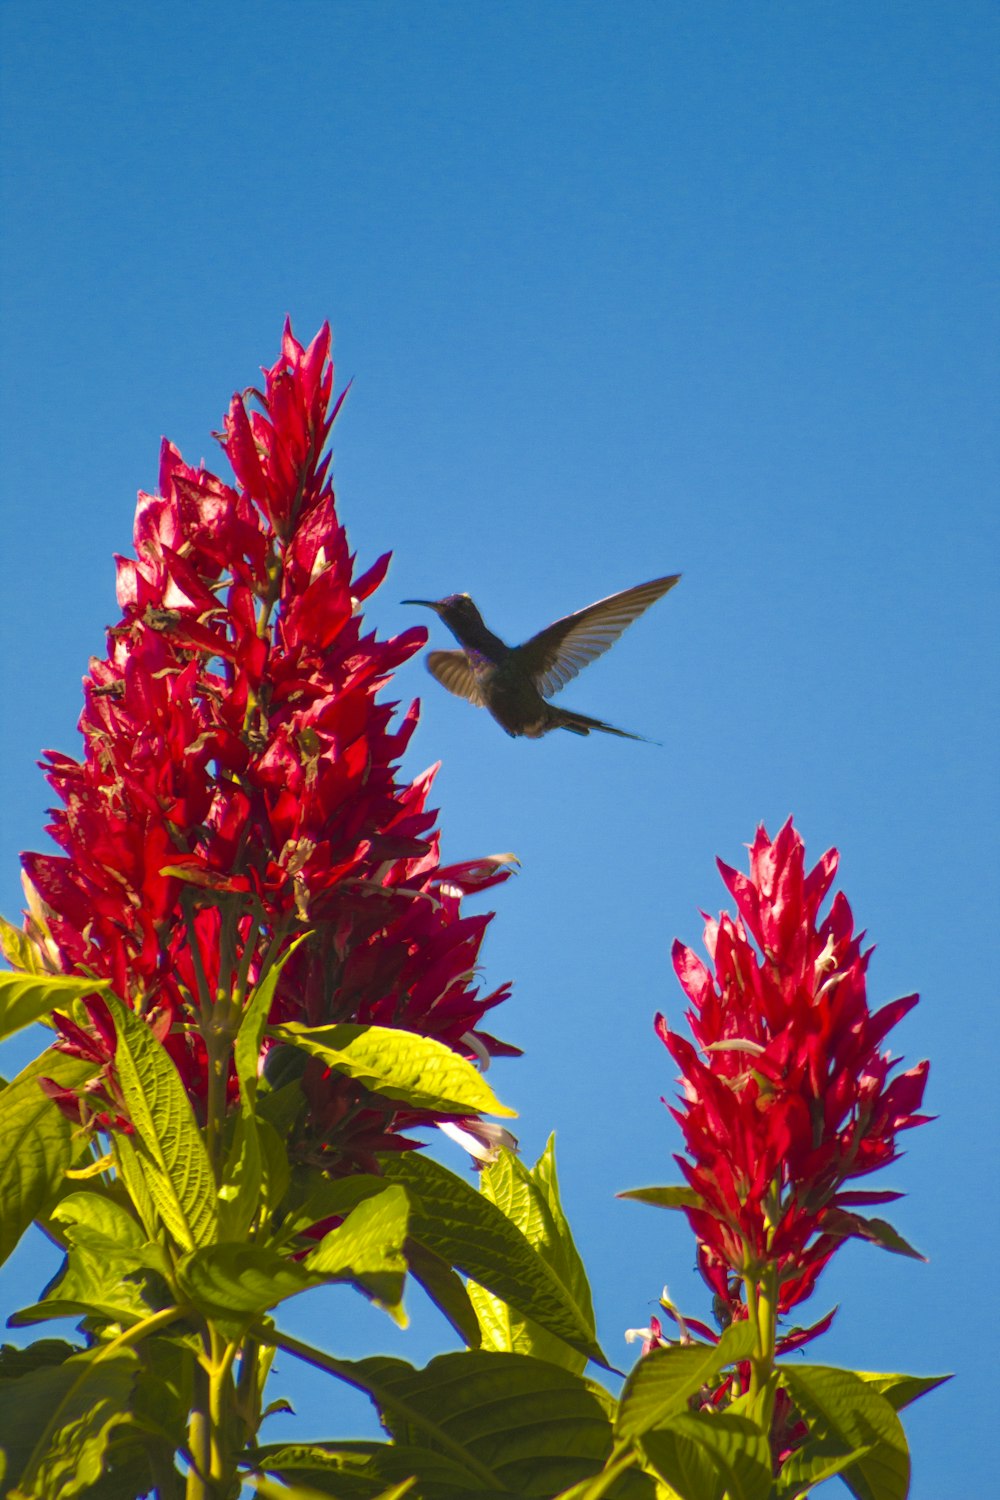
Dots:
pixel 529 1197
pixel 246 1053
pixel 900 1390
pixel 19 949
pixel 27 997
pixel 471 1233
pixel 663 1381
pixel 37 1142
pixel 848 1413
pixel 368 1248
pixel 240 1281
pixel 403 1065
pixel 170 1147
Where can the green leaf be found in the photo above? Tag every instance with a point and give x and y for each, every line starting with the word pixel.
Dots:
pixel 530 1199
pixel 37 1142
pixel 19 949
pixel 402 1065
pixel 512 1423
pixel 27 997
pixel 809 1466
pixel 685 1465
pixel 99 1222
pixel 240 1198
pixel 170 1147
pixel 877 1231
pixel 471 1233
pixel 447 1291
pixel 663 1381
pixel 900 1390
pixel 15 1362
pixel 268 1490
pixel 240 1281
pixel 847 1414
pixel 56 1423
pixel 368 1249
pixel 313 1197
pixel 707 1453
pixel 246 1053
pixel 359 1470
pixel 664 1197
pixel 106 1248
pixel 134 1180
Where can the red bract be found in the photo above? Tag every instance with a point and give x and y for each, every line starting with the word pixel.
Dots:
pixel 239 782
pixel 787 1095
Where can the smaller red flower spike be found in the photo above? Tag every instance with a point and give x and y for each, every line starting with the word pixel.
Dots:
pixel 239 785
pixel 786 1096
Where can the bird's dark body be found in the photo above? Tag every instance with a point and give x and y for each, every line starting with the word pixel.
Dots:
pixel 513 699
pixel 514 682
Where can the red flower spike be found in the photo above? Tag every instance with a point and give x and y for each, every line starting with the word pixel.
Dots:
pixel 786 1097
pixel 239 776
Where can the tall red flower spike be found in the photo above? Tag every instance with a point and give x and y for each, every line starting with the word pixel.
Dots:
pixel 787 1095
pixel 239 787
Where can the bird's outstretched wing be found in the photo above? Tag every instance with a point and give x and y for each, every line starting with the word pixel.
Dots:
pixel 555 655
pixel 452 670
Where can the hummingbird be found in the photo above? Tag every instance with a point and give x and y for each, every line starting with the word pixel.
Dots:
pixel 514 682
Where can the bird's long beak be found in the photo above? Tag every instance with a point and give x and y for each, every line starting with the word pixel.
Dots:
pixel 427 603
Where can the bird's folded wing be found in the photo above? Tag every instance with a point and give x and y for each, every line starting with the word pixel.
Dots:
pixel 555 655
pixel 452 670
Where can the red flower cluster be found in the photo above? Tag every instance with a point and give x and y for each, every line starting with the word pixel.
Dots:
pixel 238 786
pixel 787 1095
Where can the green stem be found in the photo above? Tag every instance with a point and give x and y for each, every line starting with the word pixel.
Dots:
pixel 762 1310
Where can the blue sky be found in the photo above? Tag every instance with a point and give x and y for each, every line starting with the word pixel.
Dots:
pixel 624 291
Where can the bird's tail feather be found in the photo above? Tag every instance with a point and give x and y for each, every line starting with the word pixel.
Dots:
pixel 576 723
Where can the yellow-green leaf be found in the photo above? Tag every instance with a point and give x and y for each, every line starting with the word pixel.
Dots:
pixel 402 1065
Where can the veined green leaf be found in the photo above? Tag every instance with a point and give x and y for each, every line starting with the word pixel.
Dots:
pixel 106 1253
pixel 514 1424
pixel 848 1413
pixel 240 1281
pixel 706 1453
pixel 171 1150
pixel 530 1199
pixel 360 1468
pixel 243 1281
pixel 37 1142
pixel 663 1381
pixel 132 1175
pixel 471 1233
pixel 98 1221
pixel 368 1248
pixel 27 997
pixel 56 1423
pixel 402 1065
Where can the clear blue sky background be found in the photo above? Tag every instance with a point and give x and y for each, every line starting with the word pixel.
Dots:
pixel 625 290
